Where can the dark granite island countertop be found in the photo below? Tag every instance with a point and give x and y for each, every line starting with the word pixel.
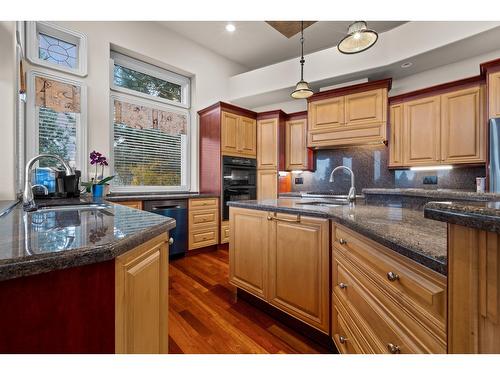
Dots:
pixel 403 230
pixel 43 241
pixel 478 215
pixel 144 196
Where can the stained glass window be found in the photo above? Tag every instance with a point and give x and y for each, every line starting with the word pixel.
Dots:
pixel 57 51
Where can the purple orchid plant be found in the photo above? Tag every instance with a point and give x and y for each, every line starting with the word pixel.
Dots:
pixel 99 160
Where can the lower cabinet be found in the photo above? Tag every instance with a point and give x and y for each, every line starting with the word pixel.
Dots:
pixel 267 184
pixel 141 299
pixel 224 231
pixel 203 225
pixel 284 260
pixel 132 204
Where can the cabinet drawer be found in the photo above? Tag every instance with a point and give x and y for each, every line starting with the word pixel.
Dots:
pixel 203 237
pixel 202 203
pixel 224 232
pixel 203 218
pixel 343 337
pixel 132 204
pixel 402 278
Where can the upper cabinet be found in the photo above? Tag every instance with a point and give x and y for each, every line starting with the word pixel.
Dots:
pixel 238 135
pixel 494 94
pixel 267 140
pixel 438 129
pixel 349 116
pixel 297 155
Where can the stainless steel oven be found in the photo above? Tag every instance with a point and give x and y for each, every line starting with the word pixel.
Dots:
pixel 239 181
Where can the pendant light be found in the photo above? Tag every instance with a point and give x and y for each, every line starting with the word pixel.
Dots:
pixel 358 39
pixel 302 90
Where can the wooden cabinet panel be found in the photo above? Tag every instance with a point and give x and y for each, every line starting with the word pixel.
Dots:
pixel 366 107
pixel 298 276
pixel 267 141
pixel 296 145
pixel 249 250
pixel 224 232
pixel 203 228
pixel 229 130
pixel 494 94
pixel 203 218
pixel 422 131
pixel 342 136
pixel 247 136
pixel 326 113
pixel 132 204
pixel 203 203
pixel 203 237
pixel 396 137
pixel 462 127
pixel 267 184
pixel 141 305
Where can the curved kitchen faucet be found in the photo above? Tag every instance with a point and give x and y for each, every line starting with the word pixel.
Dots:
pixel 351 197
pixel 28 200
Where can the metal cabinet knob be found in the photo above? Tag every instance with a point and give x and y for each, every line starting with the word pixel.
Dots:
pixel 342 286
pixel 391 276
pixel 171 241
pixel 342 339
pixel 393 349
pixel 342 241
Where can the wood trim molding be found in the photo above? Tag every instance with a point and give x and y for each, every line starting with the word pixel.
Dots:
pixel 372 85
pixel 438 89
pixel 271 114
pixel 490 66
pixel 296 115
pixel 229 108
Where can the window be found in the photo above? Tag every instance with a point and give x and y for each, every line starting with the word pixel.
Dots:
pixel 57 48
pixel 137 78
pixel 56 122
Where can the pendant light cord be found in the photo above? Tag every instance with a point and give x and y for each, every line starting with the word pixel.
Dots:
pixel 302 61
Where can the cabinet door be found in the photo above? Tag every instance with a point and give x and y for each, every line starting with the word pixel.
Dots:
pixel 325 114
pixel 141 310
pixel 462 127
pixel 296 144
pixel 298 269
pixel 247 137
pixel 494 94
pixel 267 184
pixel 248 250
pixel 229 134
pixel 366 107
pixel 396 136
pixel 267 144
pixel 422 131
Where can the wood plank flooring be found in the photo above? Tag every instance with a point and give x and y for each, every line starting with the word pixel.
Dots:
pixel 205 316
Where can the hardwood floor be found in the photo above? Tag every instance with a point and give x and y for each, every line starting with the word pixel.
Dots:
pixel 206 317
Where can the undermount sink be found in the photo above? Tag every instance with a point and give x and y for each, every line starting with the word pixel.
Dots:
pixel 329 203
pixel 76 207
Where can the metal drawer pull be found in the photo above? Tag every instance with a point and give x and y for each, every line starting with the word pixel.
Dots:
pixel 342 339
pixel 297 220
pixel 393 349
pixel 342 286
pixel 391 276
pixel 342 241
pixel 171 241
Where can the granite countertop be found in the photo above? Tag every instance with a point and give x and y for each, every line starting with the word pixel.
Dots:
pixel 403 230
pixel 435 194
pixel 143 196
pixel 43 241
pixel 478 215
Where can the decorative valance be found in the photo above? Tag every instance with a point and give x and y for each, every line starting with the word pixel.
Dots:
pixel 56 95
pixel 142 117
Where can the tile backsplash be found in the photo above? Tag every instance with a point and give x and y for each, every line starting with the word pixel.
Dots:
pixel 369 164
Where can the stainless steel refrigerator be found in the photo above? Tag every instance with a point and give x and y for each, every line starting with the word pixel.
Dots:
pixel 495 155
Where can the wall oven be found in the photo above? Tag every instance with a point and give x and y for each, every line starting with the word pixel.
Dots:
pixel 239 181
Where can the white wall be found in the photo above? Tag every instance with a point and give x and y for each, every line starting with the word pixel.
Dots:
pixel 7 109
pixel 290 106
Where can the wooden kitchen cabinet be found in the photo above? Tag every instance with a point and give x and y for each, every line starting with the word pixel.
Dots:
pixel 396 136
pixel 249 251
pixel 203 227
pixel 366 107
pixel 421 131
pixel 224 231
pixel 267 140
pixel 141 299
pixel 297 155
pixel 462 128
pixel 238 135
pixel 327 113
pixel 267 184
pixel 132 204
pixel 298 268
pixel 494 94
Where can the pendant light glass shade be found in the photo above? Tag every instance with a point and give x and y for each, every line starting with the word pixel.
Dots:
pixel 302 89
pixel 358 39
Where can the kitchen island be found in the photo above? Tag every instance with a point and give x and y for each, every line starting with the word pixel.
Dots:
pixel 90 278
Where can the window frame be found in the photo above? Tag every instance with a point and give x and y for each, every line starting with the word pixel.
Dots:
pixel 34 28
pixel 154 71
pixel 186 152
pixel 32 143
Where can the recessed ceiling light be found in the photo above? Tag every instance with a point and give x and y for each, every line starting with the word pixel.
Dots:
pixel 230 27
pixel 406 65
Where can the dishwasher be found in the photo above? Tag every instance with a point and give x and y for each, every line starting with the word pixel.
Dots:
pixel 178 210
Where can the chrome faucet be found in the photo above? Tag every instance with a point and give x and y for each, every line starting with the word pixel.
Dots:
pixel 28 200
pixel 351 197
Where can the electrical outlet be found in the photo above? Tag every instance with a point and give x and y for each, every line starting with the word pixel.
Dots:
pixel 430 180
pixel 299 180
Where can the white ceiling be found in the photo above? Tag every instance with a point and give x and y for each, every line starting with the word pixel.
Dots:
pixel 255 44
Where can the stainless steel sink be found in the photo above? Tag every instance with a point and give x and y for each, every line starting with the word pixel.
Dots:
pixel 328 196
pixel 329 203
pixel 76 207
